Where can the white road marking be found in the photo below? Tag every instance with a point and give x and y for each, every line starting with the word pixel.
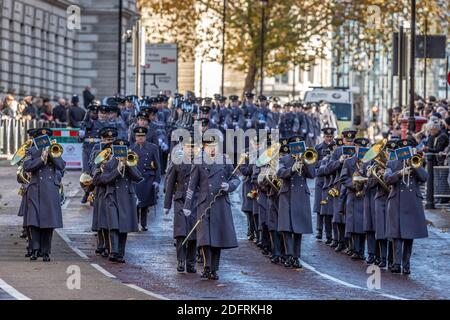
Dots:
pixel 66 203
pixel 347 284
pixel 105 272
pixel 149 293
pixel 12 291
pixel 71 246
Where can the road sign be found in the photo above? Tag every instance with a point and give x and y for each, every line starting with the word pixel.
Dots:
pixel 159 73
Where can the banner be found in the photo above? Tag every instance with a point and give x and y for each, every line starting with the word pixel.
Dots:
pixel 68 139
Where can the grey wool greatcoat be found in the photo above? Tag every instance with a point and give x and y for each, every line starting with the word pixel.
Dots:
pixel 149 166
pixel 405 214
pixel 176 186
pixel 319 178
pixel 380 213
pixel 43 203
pixel 217 227
pixel 262 201
pixel 294 207
pixel 370 191
pixel 255 172
pixel 325 209
pixel 354 206
pixel 334 167
pixel 99 216
pixel 247 203
pixel 272 209
pixel 120 197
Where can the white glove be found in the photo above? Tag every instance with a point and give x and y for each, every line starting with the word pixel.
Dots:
pixel 166 211
pixel 225 186
pixel 120 166
pixel 342 158
pixel 155 185
pixel 187 212
pixel 405 171
pixel 296 167
pixel 81 133
pixel 311 134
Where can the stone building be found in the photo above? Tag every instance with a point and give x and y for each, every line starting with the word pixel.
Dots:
pixel 41 56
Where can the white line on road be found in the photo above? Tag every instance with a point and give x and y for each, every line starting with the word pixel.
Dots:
pixel 344 283
pixel 66 203
pixel 105 272
pixel 149 293
pixel 71 246
pixel 12 291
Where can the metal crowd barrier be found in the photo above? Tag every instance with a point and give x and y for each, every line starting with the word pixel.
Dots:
pixel 13 133
pixel 441 186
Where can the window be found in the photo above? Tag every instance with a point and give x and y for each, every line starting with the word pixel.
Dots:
pixel 343 111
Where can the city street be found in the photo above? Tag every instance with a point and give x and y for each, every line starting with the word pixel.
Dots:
pixel 150 271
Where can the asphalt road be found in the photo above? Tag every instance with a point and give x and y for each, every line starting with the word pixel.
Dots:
pixel 245 273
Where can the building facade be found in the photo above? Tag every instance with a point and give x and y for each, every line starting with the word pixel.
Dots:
pixel 42 56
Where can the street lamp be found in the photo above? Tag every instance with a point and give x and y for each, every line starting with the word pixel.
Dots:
pixel 224 15
pixel 264 4
pixel 412 70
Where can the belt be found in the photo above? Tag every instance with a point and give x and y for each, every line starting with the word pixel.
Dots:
pixel 91 140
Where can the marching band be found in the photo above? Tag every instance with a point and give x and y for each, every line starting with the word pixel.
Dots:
pixel 367 199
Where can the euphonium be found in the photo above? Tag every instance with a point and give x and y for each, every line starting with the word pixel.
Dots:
pixel 21 152
pixel 104 155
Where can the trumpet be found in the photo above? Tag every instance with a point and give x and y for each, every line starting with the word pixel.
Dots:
pixel 416 161
pixel 131 160
pixel 333 192
pixel 55 150
pixel 310 156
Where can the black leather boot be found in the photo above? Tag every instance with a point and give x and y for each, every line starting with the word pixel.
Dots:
pixel 180 266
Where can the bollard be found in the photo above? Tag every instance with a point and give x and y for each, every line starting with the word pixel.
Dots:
pixel 430 182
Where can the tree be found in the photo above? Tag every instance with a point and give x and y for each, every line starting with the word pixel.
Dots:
pixel 296 32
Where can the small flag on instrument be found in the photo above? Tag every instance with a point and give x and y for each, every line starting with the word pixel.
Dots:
pixel 42 142
pixel 403 153
pixel 298 147
pixel 348 150
pixel 362 151
pixel 119 151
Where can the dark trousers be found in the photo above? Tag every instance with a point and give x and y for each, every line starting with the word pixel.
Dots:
pixel 211 257
pixel 385 250
pixel 27 231
pixel 250 224
pixel 402 251
pixel 142 216
pixel 371 242
pixel 328 226
pixel 265 237
pixel 256 222
pixel 275 239
pixel 41 239
pixel 319 225
pixel 335 231
pixel 358 240
pixel 293 243
pixel 187 252
pixel 103 239
pixel 340 232
pixel 117 242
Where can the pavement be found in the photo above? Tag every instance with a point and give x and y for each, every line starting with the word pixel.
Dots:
pixel 150 271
